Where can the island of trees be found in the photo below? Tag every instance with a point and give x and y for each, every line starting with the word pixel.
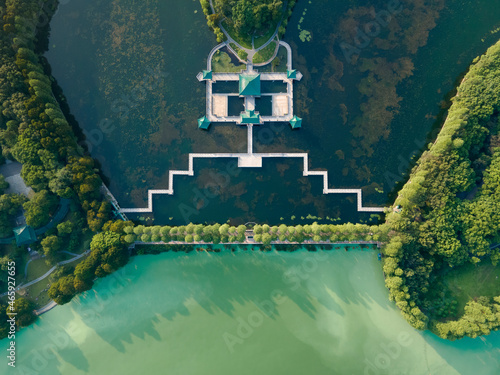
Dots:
pixel 445 218
pixel 247 18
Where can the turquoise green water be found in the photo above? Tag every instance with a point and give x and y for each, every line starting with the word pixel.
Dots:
pixel 246 313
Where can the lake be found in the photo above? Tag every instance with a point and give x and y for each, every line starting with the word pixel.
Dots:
pixel 128 70
pixel 320 313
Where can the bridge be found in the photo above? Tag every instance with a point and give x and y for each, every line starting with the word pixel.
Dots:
pixel 216 111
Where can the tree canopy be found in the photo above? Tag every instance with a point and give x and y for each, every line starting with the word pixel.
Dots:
pixel 450 209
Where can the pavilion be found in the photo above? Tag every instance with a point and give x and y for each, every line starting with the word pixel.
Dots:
pixel 25 235
pixel 296 122
pixel 250 117
pixel 203 123
pixel 249 84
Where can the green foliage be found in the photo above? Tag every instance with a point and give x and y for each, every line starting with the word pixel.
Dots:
pixel 451 209
pixel 3 184
pixel 10 205
pixel 25 312
pixel 108 253
pixel 262 233
pixel 34 130
pixel 65 228
pixel 243 55
pixel 480 318
pixel 265 53
pixel 40 208
pixel 51 245
pixel 63 290
pixel 247 17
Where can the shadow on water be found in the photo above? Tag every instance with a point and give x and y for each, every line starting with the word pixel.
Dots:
pixel 219 285
pixel 52 349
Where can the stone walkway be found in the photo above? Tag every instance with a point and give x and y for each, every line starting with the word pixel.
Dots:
pixel 306 172
pixel 12 173
pixel 49 306
pixel 62 211
pixel 47 274
pixel 249 159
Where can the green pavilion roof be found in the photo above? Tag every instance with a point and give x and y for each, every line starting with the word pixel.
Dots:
pixel 292 74
pixel 203 123
pixel 250 117
pixel 24 235
pixel 250 84
pixel 207 74
pixel 296 122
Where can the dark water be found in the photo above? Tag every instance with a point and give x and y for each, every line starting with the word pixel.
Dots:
pixel 128 71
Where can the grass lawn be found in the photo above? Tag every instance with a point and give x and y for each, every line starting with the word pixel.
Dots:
pixel 37 268
pixel 243 40
pixel 84 243
pixel 221 63
pixel 38 292
pixel 264 54
pixel 234 47
pixel 259 41
pixel 278 65
pixel 472 281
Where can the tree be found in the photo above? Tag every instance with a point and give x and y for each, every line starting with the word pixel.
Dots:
pixel 266 239
pixel 243 55
pixel 25 312
pixel 224 229
pixel 39 208
pixel 65 228
pixel 9 207
pixel 3 184
pixel 63 290
pixel 51 245
pixel 129 238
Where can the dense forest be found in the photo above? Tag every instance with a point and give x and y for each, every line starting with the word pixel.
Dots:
pixel 450 210
pixel 248 17
pixel 34 131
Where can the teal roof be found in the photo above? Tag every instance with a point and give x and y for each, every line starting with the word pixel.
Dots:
pixel 24 235
pixel 250 84
pixel 207 74
pixel 291 74
pixel 250 117
pixel 203 123
pixel 296 122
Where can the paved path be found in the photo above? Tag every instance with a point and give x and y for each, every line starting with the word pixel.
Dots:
pixel 211 55
pixel 67 252
pixel 11 168
pixel 114 202
pixel 60 214
pixel 47 274
pixel 46 308
pixel 306 173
